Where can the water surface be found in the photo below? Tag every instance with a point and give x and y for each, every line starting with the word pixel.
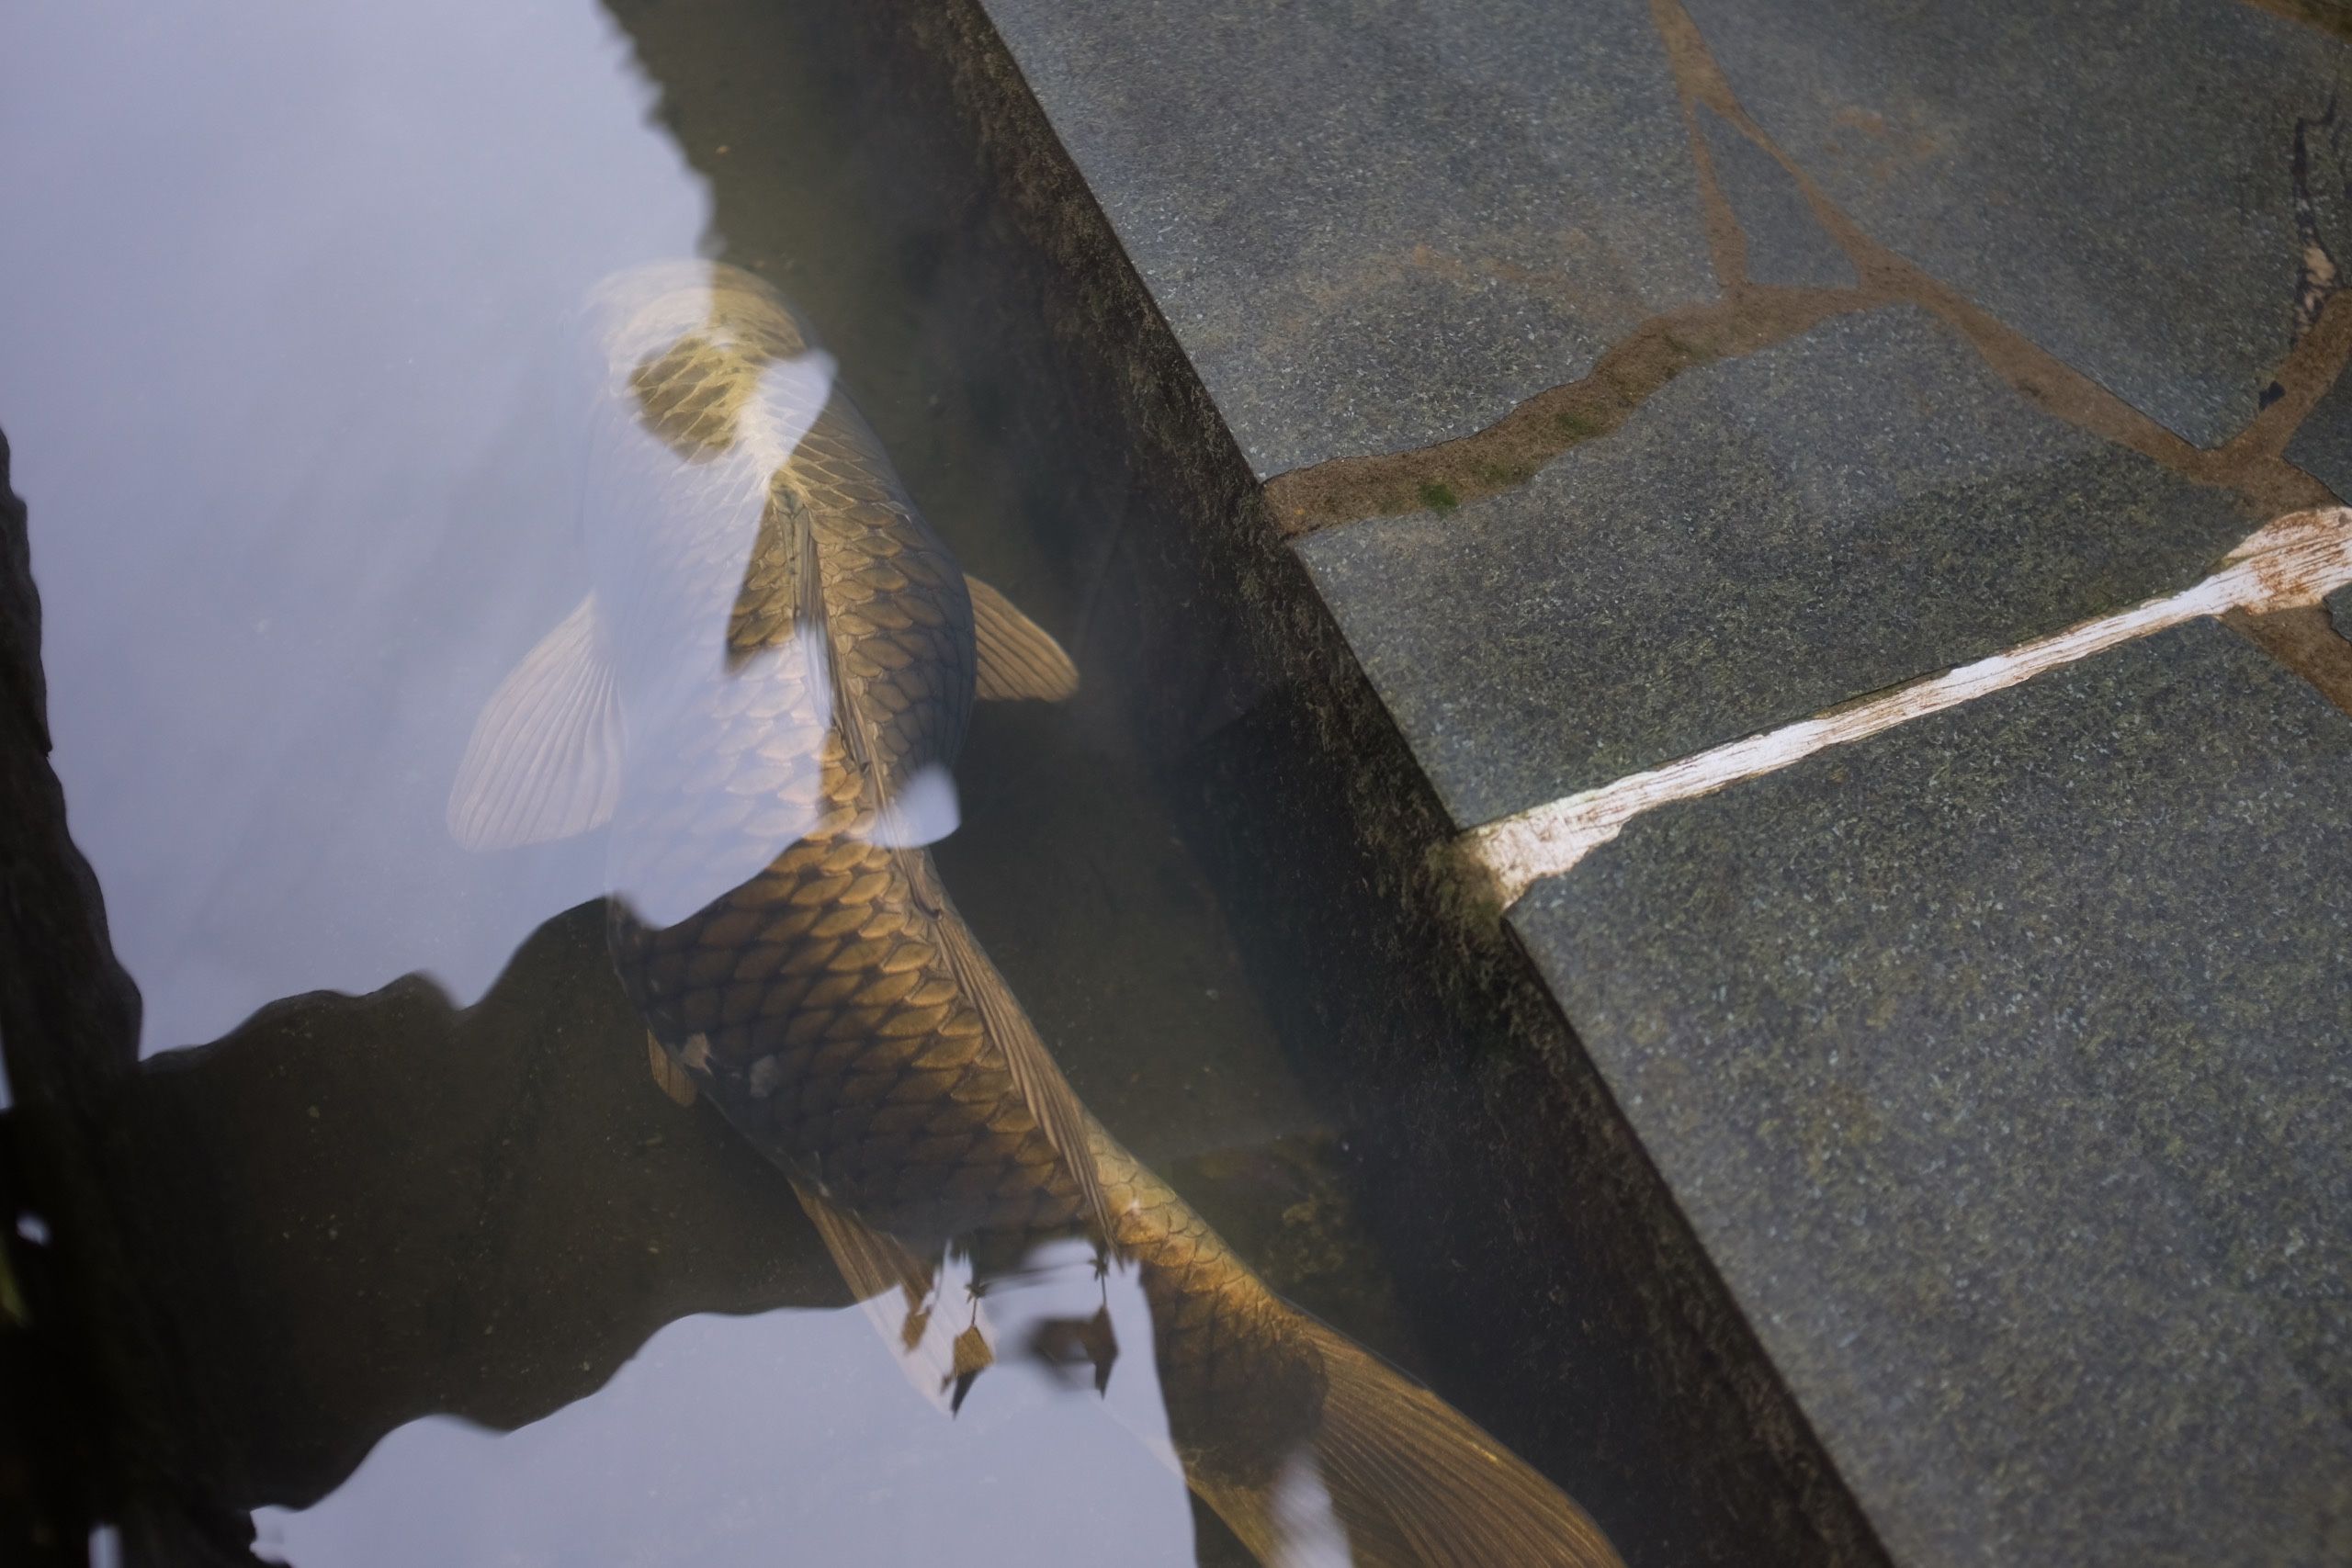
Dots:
pixel 292 392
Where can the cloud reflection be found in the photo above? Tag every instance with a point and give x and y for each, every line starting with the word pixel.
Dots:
pixel 288 389
pixel 782 1437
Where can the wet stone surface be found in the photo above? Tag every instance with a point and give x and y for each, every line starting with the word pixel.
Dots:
pixel 2111 180
pixel 1763 539
pixel 2323 447
pixel 1376 225
pixel 1785 245
pixel 1999 1062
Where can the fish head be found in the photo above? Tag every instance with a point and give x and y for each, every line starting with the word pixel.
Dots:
pixel 684 345
pixel 706 382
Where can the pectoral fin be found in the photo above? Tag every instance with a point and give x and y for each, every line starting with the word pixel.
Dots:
pixel 544 760
pixel 675 1082
pixel 1017 659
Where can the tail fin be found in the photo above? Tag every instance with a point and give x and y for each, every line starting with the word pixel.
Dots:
pixel 1415 1484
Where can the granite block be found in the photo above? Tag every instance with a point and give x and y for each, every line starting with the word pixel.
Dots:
pixel 1786 246
pixel 1763 539
pixel 2003 1063
pixel 2323 444
pixel 2113 180
pixel 1377 223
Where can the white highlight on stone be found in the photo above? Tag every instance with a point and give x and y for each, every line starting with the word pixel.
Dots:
pixel 2290 563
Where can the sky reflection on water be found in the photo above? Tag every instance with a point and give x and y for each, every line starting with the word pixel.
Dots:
pixel 292 405
pixel 782 1437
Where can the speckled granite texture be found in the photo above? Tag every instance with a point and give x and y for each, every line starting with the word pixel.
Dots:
pixel 1640 380
pixel 1376 223
pixel 2094 173
pixel 2001 1063
pixel 1766 538
pixel 1785 244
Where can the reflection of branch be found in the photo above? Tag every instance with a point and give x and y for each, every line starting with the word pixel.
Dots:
pixel 134 1441
pixel 407 1208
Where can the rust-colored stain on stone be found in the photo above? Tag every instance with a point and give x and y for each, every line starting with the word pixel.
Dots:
pixel 1508 452
pixel 2331 16
pixel 1751 316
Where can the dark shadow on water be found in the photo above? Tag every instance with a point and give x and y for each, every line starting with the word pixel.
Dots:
pixel 411 1210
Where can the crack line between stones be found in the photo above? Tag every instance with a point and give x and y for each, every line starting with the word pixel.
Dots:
pixel 1508 452
pixel 2330 17
pixel 2287 566
pixel 1751 316
pixel 2251 463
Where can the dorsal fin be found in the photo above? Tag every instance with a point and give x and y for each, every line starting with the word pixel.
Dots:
pixel 545 759
pixel 1017 658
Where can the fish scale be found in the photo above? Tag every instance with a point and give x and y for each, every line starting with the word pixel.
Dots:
pixel 831 1000
pixel 864 1069
pixel 817 1003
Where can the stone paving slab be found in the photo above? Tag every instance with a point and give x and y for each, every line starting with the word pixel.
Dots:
pixel 1786 245
pixel 1376 223
pixel 1763 539
pixel 2000 1062
pixel 2101 176
pixel 1637 381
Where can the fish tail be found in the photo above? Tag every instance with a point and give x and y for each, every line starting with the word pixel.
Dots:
pixel 1411 1481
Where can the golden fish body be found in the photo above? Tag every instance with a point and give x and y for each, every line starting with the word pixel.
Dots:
pixel 831 999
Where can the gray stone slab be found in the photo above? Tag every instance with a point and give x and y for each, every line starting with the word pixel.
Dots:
pixel 1763 539
pixel 2322 445
pixel 2112 180
pixel 1374 224
pixel 2003 1063
pixel 1785 244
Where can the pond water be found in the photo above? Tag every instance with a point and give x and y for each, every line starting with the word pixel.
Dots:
pixel 291 309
